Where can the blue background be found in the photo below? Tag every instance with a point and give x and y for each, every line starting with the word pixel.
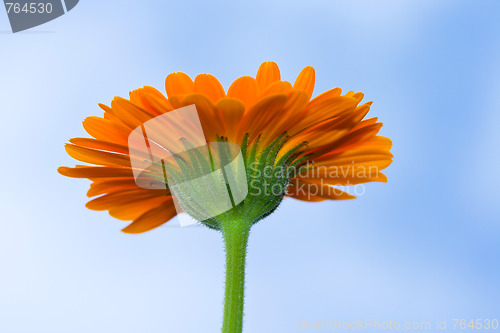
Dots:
pixel 425 246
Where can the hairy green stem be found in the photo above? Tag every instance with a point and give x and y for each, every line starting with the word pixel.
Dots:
pixel 235 241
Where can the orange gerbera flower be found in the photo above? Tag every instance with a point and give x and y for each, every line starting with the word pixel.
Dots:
pixel 288 144
pixel 326 140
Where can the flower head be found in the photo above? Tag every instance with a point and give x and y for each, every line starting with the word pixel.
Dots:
pixel 292 145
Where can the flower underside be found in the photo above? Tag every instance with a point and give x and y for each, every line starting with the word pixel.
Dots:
pixel 266 179
pixel 292 145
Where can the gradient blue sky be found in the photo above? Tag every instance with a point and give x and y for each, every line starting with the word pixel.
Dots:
pixel 422 247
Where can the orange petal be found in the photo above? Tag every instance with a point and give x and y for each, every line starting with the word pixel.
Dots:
pixel 106 130
pixel 209 86
pixel 176 101
pixel 132 115
pixel 324 110
pixel 178 84
pixel 268 73
pixel 377 142
pixel 99 144
pixel 160 104
pixel 257 118
pixel 305 81
pixel 358 96
pixel 95 172
pixel 98 157
pixel 210 118
pixel 277 87
pixel 288 116
pixel 351 157
pixel 135 209
pixel 232 111
pixel 117 199
pixel 150 99
pixel 326 95
pixel 356 139
pixel 152 219
pixel 104 186
pixel 365 123
pixel 321 137
pixel 109 114
pixel 245 89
